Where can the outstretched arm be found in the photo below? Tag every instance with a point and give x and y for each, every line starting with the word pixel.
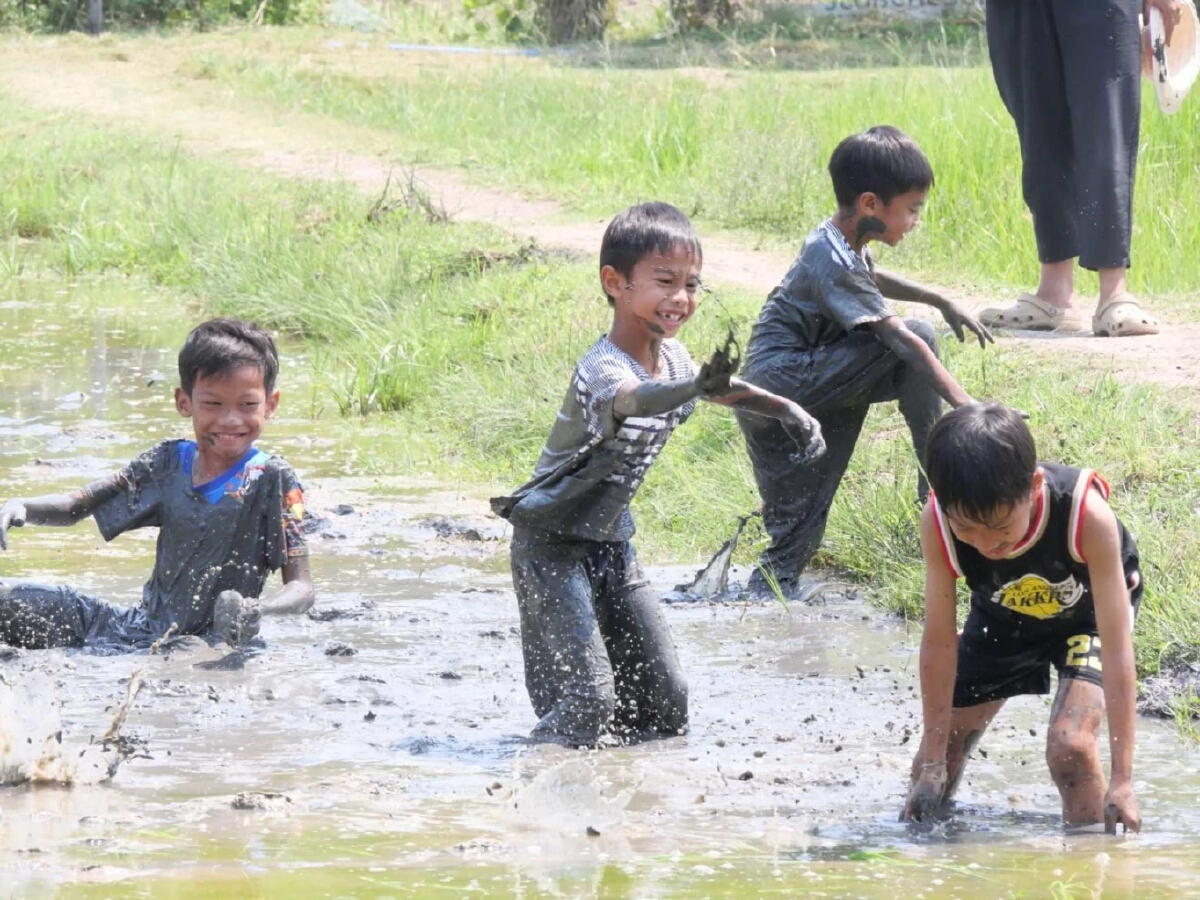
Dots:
pixel 800 426
pixel 655 397
pixel 939 663
pixel 915 353
pixel 896 287
pixel 53 509
pixel 1100 540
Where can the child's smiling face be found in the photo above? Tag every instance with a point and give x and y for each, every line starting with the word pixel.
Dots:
pixel 228 411
pixel 659 295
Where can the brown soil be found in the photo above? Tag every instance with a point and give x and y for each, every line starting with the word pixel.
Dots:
pixel 141 83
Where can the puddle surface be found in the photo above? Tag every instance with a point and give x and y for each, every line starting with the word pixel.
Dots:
pixel 374 748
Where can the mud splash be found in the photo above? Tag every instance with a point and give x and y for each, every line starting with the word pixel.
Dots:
pixel 32 746
pixel 375 746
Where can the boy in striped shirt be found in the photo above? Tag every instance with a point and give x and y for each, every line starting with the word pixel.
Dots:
pixel 599 659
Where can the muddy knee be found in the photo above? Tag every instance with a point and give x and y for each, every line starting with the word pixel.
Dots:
pixel 1072 757
pixel 925 331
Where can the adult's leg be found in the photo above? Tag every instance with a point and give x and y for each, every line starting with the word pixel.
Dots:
pixel 1028 69
pixel 567 670
pixel 38 616
pixel 1073 750
pixel 651 689
pixel 795 498
pixel 1100 50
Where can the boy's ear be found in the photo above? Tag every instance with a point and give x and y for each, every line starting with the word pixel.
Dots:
pixel 183 403
pixel 1039 479
pixel 613 282
pixel 272 403
pixel 869 204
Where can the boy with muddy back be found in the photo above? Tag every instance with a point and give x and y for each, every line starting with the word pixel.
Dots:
pixel 1054 581
pixel 828 339
pixel 599 660
pixel 228 515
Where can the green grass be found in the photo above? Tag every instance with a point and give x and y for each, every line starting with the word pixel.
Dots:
pixel 742 149
pixel 465 342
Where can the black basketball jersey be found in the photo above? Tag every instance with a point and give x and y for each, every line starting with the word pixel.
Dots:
pixel 1045 576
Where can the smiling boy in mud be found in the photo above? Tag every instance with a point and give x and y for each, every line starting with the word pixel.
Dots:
pixel 228 513
pixel 1054 579
pixel 599 659
pixel 828 340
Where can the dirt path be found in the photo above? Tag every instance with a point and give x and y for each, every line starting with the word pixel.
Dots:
pixel 141 83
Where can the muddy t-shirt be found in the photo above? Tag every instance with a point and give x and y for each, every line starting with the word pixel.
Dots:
pixel 829 291
pixel 593 462
pixel 227 534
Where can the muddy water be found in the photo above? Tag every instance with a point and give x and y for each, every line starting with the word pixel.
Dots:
pixel 373 749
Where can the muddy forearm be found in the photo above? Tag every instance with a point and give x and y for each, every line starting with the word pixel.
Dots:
pixel 939 656
pixel 750 398
pixel 58 509
pixel 294 597
pixel 896 287
pixel 915 353
pixel 653 398
pixel 1120 698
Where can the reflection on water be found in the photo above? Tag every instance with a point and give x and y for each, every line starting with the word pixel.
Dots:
pixel 374 748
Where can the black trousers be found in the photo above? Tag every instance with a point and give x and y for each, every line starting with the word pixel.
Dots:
pixel 599 658
pixel 1068 71
pixel 836 383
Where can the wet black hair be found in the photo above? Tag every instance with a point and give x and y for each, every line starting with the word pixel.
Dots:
pixel 644 229
pixel 221 346
pixel 883 161
pixel 980 458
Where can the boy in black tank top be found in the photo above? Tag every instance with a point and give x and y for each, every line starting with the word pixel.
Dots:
pixel 1054 579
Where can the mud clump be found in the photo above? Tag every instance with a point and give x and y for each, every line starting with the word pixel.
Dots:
pixel 260 801
pixel 339 648
pixel 1169 693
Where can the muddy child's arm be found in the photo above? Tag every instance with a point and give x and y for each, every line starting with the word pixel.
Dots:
pixel 296 595
pixel 914 352
pixel 896 287
pixel 640 399
pixel 53 509
pixel 1100 540
pixel 939 663
pixel 800 426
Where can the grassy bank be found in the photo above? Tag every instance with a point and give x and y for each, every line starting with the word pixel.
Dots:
pixel 465 342
pixel 738 149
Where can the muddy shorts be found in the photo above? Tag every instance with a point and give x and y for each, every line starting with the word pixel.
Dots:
pixel 997 662
pixel 599 659
pixel 38 616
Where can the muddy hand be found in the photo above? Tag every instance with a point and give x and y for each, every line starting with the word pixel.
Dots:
pixel 1172 14
pixel 1120 806
pixel 235 619
pixel 806 432
pixel 12 515
pixel 925 795
pixel 962 321
pixel 713 379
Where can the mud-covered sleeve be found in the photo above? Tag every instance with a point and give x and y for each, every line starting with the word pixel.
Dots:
pixel 847 291
pixel 132 497
pixel 596 382
pixel 294 543
pixel 682 366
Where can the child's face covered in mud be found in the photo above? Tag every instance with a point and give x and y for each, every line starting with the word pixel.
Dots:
pixel 228 411
pixel 659 295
